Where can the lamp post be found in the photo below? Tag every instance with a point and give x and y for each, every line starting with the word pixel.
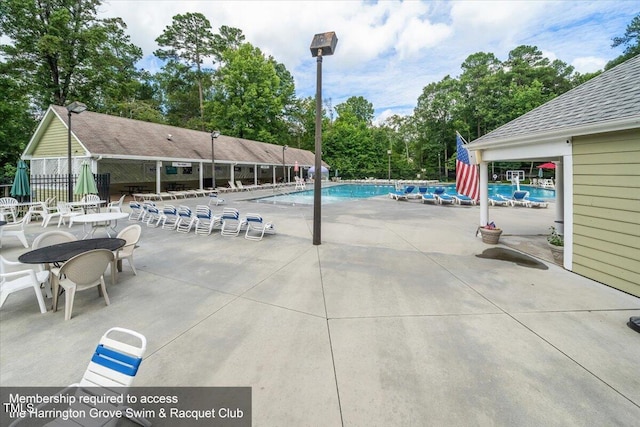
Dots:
pixel 76 108
pixel 389 155
pixel 214 135
pixel 284 170
pixel 322 44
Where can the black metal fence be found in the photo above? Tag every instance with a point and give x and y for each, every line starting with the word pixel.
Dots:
pixel 45 186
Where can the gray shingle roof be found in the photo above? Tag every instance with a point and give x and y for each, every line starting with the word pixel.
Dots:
pixel 613 95
pixel 120 137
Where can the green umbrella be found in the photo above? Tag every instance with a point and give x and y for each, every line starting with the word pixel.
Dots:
pixel 86 184
pixel 20 187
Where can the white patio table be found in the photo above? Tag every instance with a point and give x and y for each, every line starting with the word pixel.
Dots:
pixel 106 220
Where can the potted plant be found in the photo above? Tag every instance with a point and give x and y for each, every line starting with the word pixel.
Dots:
pixel 490 233
pixel 556 243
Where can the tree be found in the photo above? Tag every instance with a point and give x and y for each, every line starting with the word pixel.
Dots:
pixel 250 93
pixel 358 108
pixel 189 40
pixel 630 40
pixel 59 50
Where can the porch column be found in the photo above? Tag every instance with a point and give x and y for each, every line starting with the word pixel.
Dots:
pixel 201 176
pixel 232 173
pixel 158 170
pixel 566 198
pixel 255 174
pixel 484 193
pixel 274 175
pixel 559 185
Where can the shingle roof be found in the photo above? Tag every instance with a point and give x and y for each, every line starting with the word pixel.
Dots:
pixel 613 95
pixel 120 137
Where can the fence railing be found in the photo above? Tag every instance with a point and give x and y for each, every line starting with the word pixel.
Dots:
pixel 45 186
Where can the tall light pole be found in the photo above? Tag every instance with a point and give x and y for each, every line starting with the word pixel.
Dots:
pixel 76 108
pixel 214 135
pixel 389 155
pixel 322 44
pixel 284 169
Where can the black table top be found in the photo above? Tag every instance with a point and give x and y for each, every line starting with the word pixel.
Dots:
pixel 62 252
pixel 2 223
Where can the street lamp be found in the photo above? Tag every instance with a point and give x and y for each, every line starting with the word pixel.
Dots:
pixel 389 155
pixel 284 170
pixel 76 108
pixel 214 135
pixel 322 44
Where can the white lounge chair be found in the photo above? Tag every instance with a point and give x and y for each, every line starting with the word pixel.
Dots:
pixel 213 198
pixel 461 199
pixel 185 219
pixel 44 211
pixel 206 221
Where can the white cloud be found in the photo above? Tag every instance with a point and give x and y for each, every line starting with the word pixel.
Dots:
pixel 389 50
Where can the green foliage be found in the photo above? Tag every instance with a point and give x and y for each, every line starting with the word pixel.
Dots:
pixel 630 40
pixel 554 238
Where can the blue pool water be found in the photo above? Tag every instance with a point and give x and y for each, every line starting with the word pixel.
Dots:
pixel 344 192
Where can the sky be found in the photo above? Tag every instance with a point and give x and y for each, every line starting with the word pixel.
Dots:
pixel 388 51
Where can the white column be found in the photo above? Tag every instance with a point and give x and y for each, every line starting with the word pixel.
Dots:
pixel 255 174
pixel 158 170
pixel 484 193
pixel 274 174
pixel 201 175
pixel 567 200
pixel 232 172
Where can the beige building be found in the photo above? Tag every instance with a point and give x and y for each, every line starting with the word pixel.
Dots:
pixel 155 157
pixel 592 134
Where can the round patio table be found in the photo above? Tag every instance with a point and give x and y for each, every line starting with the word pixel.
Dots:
pixel 61 252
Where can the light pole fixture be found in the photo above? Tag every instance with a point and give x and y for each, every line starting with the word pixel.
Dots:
pixel 389 155
pixel 76 108
pixel 284 170
pixel 214 135
pixel 322 44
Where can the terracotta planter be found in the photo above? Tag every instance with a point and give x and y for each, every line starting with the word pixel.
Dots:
pixel 558 253
pixel 490 236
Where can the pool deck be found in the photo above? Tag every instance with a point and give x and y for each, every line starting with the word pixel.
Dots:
pixel 392 321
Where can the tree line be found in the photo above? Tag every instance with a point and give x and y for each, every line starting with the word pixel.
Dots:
pixel 60 51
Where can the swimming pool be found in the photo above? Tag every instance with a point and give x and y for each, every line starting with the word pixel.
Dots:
pixel 345 192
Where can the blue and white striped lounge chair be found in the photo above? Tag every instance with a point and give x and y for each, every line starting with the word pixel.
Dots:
pixel 185 219
pixel 169 217
pixel 519 198
pixel 206 220
pixel 111 371
pixel 136 211
pixel 257 227
pixel 213 198
pixel 231 222
pixel 461 199
pixel 429 198
pixel 402 194
pixel 443 198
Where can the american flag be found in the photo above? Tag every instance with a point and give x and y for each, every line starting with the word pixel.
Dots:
pixel 466 173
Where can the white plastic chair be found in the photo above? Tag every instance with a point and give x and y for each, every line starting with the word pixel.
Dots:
pixel 17 280
pixel 82 272
pixel 67 212
pixel 257 227
pixel 132 235
pixel 44 211
pixel 49 238
pixel 16 229
pixel 91 198
pixel 116 206
pixel 9 206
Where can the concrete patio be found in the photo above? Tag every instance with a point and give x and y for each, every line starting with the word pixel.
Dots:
pixel 392 321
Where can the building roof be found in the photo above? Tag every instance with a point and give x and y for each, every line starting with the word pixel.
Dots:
pixel 607 102
pixel 123 138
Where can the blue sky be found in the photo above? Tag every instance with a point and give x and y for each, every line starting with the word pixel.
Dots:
pixel 388 51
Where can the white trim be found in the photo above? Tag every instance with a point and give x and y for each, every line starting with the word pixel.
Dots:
pixel 567 175
pixel 558 134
